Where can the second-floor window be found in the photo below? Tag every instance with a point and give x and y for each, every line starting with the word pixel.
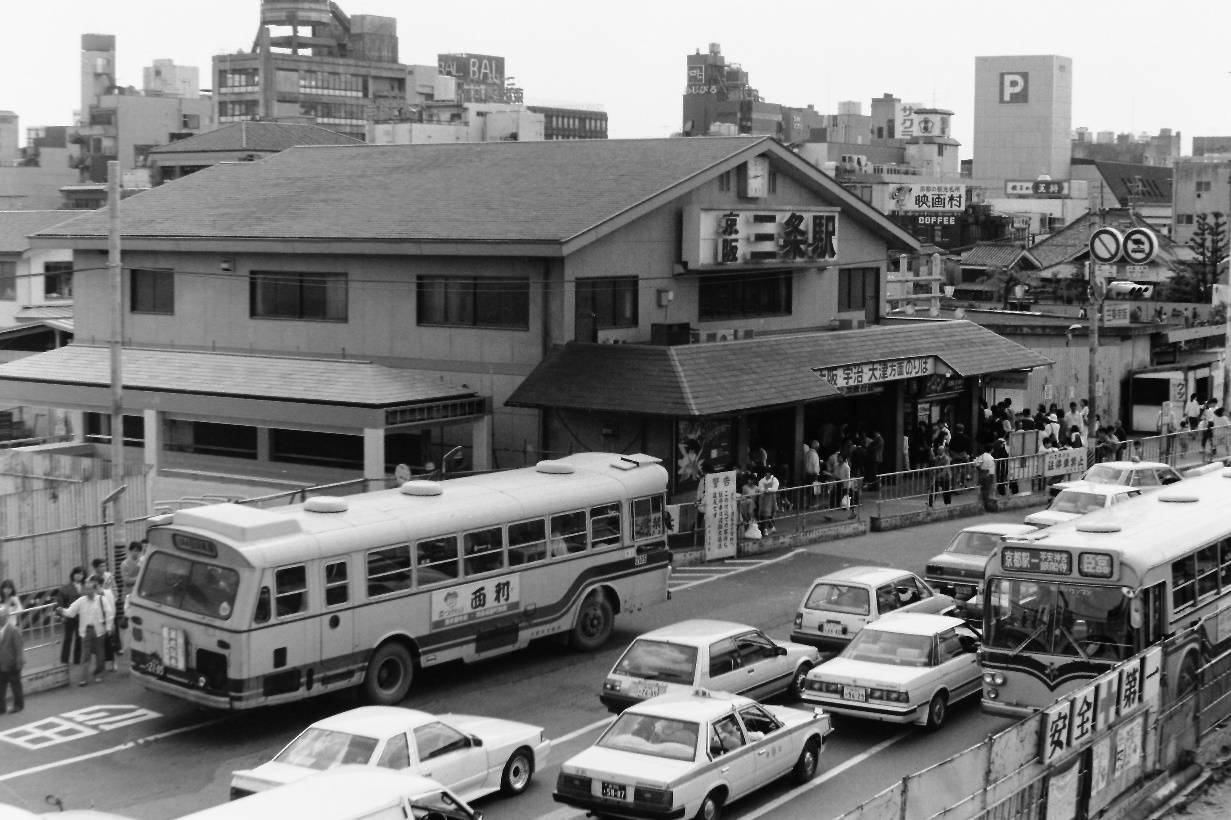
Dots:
pixel 58 280
pixel 152 291
pixel 8 281
pixel 471 301
pixel 744 295
pixel 856 287
pixel 611 300
pixel 284 295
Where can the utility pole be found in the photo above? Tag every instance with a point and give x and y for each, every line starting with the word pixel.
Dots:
pixel 117 319
pixel 1094 302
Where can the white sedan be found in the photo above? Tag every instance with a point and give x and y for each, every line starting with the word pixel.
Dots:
pixel 904 669
pixel 472 756
pixel 686 755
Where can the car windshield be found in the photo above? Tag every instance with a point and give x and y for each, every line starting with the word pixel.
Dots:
pixel 325 748
pixel 193 586
pixel 659 660
pixel 1102 474
pixel 655 736
pixel 974 543
pixel 1076 501
pixel 839 598
pixel 1059 619
pixel 891 648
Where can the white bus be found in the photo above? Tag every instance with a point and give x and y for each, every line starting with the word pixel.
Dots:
pixel 238 607
pixel 1066 603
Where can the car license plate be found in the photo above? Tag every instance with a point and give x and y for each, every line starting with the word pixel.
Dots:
pixel 616 791
pixel 833 629
pixel 854 693
pixel 964 589
pixel 649 690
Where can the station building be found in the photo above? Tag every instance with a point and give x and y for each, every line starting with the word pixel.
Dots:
pixel 357 307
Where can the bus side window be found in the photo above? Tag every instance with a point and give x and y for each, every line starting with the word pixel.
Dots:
pixel 568 533
pixel 605 526
pixel 1207 571
pixel 336 591
pixel 1183 583
pixel 1224 555
pixel 291 590
pixel 436 560
pixel 484 550
pixel 647 517
pixel 388 570
pixel 527 542
pixel 262 607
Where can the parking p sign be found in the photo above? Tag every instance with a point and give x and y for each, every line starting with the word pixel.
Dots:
pixel 1014 87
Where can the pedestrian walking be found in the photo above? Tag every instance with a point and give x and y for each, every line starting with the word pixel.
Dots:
pixel 70 649
pixel 130 567
pixel 95 618
pixel 12 651
pixel 106 588
pixel 1000 452
pixel 942 482
pixel 985 465
pixel 1166 425
pixel 10 599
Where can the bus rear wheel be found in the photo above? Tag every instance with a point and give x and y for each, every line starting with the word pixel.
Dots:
pixel 594 623
pixel 390 671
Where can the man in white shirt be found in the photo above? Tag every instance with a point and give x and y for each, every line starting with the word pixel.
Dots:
pixel 986 465
pixel 95 616
pixel 1072 419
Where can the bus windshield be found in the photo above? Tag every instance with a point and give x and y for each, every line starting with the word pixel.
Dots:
pixel 1086 621
pixel 193 586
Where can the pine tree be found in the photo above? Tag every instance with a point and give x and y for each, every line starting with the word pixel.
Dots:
pixel 1209 244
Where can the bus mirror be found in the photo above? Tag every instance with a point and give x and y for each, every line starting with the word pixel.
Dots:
pixel 1135 613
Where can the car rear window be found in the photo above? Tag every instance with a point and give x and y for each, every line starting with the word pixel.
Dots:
pixel 659 660
pixel 838 598
pixel 1102 474
pixel 974 543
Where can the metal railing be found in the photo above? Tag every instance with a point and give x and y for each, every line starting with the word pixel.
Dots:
pixel 789 510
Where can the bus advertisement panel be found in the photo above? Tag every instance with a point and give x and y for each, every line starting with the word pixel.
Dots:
pixel 238 607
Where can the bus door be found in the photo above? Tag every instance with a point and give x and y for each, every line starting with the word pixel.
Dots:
pixel 280 641
pixel 1147 615
pixel 337 627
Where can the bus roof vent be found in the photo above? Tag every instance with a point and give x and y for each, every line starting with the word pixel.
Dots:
pixel 554 467
pixel 326 504
pixel 634 461
pixel 1178 497
pixel 1097 526
pixel 422 488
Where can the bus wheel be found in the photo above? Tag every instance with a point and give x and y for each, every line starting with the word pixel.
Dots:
pixel 389 674
pixel 594 622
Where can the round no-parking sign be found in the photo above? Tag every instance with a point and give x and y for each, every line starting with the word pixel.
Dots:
pixel 1105 245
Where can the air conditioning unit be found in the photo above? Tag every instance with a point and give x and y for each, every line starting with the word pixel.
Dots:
pixel 747 333
pixel 726 335
pixel 852 324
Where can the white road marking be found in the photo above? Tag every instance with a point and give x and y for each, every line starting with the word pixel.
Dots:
pixel 579 732
pixel 742 567
pixel 779 802
pixel 104 752
pixel 565 813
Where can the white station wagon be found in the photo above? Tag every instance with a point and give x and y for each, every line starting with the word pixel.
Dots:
pixel 471 755
pixel 841 603
pixel 905 669
pixel 1079 498
pixel 717 655
pixel 687 755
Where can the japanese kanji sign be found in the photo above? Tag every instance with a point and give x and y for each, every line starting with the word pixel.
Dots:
pixel 873 373
pixel 930 198
pixel 470 602
pixel 727 237
pixel 721 515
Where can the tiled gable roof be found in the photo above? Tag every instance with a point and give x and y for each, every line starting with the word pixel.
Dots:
pixel 506 192
pixel 274 378
pixel 995 255
pixel 1073 240
pixel 711 379
pixel 16 226
pixel 256 136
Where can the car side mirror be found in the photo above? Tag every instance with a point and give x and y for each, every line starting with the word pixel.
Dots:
pixel 780 651
pixel 476 741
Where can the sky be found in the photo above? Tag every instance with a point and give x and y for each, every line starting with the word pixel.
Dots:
pixel 1137 66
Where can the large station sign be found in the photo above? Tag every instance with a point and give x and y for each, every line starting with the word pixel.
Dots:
pixel 763 236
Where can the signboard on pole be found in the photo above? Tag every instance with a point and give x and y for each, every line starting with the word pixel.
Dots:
pixel 721 515
pixel 1140 246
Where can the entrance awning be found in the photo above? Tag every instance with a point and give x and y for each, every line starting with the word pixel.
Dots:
pixel 313 394
pixel 725 377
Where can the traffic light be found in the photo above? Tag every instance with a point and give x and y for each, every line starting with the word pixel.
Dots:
pixel 1129 290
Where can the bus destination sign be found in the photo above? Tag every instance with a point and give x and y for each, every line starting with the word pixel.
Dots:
pixel 1047 562
pixel 198 545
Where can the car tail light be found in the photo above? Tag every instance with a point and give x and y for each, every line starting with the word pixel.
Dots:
pixel 935 569
pixel 799 619
pixel 573 783
pixel 652 797
pixel 991 694
pixel 611 685
pixel 888 695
